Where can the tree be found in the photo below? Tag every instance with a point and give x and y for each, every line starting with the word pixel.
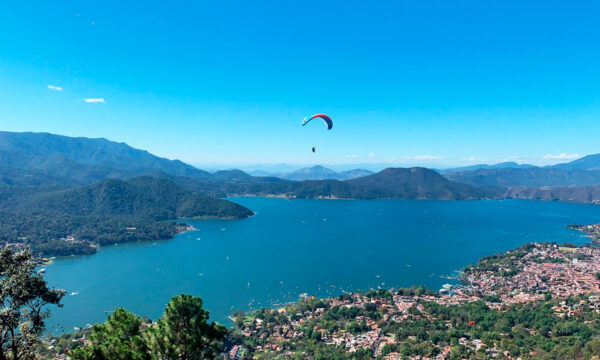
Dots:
pixel 120 337
pixel 24 297
pixel 239 318
pixel 184 333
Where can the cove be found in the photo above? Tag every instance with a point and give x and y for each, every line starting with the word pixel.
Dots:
pixel 317 247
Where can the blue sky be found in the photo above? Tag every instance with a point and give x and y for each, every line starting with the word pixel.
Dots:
pixel 212 83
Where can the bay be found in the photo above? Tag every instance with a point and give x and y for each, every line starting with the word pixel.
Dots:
pixel 290 247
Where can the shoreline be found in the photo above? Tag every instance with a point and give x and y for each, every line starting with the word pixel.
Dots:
pixel 591 231
pixel 321 197
pixel 180 228
pixel 361 321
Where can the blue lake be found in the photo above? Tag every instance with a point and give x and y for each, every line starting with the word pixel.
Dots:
pixel 319 247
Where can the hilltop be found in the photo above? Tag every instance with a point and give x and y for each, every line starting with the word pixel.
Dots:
pixel 589 162
pixel 416 183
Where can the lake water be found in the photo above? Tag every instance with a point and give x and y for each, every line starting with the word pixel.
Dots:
pixel 289 247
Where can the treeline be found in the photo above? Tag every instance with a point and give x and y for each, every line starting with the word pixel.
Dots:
pixel 46 234
pixel 183 332
pixel 70 221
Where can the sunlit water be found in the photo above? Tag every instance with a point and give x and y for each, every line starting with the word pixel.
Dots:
pixel 289 247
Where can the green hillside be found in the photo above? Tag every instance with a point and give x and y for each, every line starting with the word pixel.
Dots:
pixel 74 220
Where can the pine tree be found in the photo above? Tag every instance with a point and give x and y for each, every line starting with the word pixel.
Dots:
pixel 24 297
pixel 184 333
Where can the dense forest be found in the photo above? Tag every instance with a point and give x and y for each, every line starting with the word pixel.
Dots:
pixel 56 221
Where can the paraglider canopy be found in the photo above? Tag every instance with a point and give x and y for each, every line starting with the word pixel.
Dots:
pixel 326 120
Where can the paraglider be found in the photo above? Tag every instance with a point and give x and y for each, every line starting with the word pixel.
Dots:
pixel 326 119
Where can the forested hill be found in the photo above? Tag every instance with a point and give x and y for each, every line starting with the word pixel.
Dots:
pixel 579 194
pixel 416 183
pixel 72 221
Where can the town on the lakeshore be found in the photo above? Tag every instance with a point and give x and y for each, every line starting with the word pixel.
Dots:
pixel 533 272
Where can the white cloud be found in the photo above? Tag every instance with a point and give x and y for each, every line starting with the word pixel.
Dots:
pixel 371 154
pixel 55 88
pixel 423 157
pixel 353 156
pixel 98 100
pixel 562 156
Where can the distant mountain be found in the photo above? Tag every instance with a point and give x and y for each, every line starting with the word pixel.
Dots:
pixel 240 176
pixel 235 175
pixel 261 173
pixel 590 162
pixel 355 173
pixel 319 172
pixel 311 173
pixel 580 194
pixel 503 165
pixel 526 177
pixel 80 160
pixel 581 172
pixel 107 212
pixel 397 183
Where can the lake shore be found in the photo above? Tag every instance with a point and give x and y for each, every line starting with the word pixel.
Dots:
pixel 379 243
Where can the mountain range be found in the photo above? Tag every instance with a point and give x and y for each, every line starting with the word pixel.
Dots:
pixel 529 177
pixel 502 165
pixel 317 172
pixel 581 172
pixel 43 160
